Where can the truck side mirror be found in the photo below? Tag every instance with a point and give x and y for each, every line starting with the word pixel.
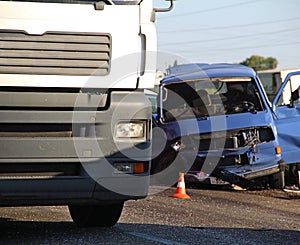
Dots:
pixel 165 9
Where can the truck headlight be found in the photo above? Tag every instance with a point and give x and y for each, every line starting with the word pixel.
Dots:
pixel 130 130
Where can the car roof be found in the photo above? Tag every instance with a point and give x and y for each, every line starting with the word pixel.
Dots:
pixel 195 71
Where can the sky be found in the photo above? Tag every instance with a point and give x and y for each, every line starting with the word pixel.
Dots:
pixel 217 31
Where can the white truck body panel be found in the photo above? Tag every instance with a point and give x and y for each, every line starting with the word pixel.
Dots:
pixel 39 18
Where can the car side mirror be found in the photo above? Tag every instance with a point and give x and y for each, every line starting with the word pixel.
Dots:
pixel 295 95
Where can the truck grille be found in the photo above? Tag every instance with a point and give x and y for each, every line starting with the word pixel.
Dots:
pixel 55 53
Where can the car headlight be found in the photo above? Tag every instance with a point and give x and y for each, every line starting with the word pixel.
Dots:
pixel 130 130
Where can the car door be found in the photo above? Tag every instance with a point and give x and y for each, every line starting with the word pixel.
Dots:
pixel 286 106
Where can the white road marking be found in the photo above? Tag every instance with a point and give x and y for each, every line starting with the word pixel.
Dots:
pixel 155 239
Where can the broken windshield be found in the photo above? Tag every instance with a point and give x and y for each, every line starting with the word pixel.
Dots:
pixel 204 98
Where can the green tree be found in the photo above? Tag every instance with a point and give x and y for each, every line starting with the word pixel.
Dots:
pixel 259 63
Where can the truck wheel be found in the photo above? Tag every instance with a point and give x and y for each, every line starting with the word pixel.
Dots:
pixel 102 215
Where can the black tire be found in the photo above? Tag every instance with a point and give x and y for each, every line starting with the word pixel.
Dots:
pixel 102 215
pixel 163 161
pixel 278 180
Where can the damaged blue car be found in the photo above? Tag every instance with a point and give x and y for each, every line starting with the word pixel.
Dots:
pixel 216 124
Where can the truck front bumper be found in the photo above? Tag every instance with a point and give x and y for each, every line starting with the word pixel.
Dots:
pixel 55 154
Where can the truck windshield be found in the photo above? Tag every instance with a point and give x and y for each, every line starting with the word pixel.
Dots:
pixel 204 98
pixel 117 2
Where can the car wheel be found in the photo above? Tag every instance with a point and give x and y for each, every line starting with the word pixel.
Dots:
pixel 101 215
pixel 277 180
pixel 163 161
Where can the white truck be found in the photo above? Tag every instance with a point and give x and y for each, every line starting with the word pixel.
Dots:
pixel 75 125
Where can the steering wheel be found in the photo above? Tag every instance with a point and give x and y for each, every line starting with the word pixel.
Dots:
pixel 244 106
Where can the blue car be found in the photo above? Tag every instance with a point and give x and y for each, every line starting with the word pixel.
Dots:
pixel 216 124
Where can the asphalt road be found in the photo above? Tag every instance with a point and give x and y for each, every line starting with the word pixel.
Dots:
pixel 209 217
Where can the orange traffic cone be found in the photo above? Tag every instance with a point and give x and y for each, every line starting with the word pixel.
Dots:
pixel 180 190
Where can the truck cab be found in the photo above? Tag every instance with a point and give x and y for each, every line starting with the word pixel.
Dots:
pixel 75 123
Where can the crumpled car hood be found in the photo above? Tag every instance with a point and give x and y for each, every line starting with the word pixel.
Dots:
pixel 215 124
